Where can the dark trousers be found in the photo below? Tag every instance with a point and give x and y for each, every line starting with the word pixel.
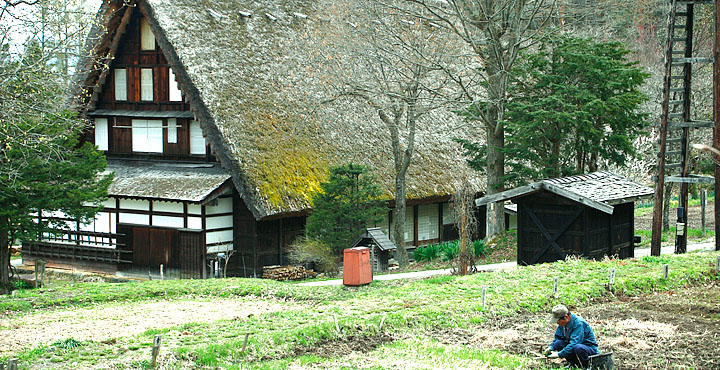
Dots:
pixel 580 356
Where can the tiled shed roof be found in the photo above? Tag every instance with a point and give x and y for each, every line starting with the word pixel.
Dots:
pixel 378 237
pixel 602 186
pixel 600 190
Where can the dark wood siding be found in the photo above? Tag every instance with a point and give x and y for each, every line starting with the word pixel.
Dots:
pixel 153 246
pixel 576 229
pixel 182 147
pixel 121 137
pixel 260 243
pixel 192 252
pixel 242 262
pixel 132 59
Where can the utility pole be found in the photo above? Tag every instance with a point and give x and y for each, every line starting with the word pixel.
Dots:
pixel 716 118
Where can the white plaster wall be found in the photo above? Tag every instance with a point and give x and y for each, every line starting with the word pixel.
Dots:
pixel 174 207
pixel 194 223
pixel 168 221
pixel 218 236
pixel 218 222
pixel 225 205
pixel 130 218
pixel 140 205
pixel 194 209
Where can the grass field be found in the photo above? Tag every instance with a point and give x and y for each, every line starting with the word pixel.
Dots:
pixel 380 326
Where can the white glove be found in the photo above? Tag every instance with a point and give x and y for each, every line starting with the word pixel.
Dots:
pixel 554 354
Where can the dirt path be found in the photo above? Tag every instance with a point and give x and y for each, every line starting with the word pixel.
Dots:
pixel 116 320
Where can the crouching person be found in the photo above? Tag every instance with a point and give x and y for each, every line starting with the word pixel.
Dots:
pixel 574 338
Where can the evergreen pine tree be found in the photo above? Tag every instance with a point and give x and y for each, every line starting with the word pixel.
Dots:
pixel 347 204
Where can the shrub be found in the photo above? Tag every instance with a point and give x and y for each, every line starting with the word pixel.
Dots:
pixel 479 248
pixel 426 253
pixel 449 250
pixel 307 250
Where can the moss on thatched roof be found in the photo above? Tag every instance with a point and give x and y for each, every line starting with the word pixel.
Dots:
pixel 259 86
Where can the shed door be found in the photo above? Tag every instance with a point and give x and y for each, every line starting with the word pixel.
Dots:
pixel 153 246
pixel 192 251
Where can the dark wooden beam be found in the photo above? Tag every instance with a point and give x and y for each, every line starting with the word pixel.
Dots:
pixel 505 195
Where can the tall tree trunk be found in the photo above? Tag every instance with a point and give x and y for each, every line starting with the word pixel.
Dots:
pixel 498 64
pixel 463 245
pixel 4 259
pixel 592 164
pixel 401 159
pixel 495 221
pixel 398 223
pixel 555 155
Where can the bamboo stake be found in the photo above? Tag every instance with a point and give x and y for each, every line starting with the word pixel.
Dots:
pixel 156 349
pixel 484 290
pixel 247 335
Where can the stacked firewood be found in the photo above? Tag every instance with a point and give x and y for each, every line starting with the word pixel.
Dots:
pixel 282 273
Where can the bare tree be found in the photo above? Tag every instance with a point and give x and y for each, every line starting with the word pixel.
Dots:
pixel 463 206
pixel 495 31
pixel 395 69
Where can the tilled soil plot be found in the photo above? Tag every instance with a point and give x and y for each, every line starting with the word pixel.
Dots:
pixel 115 320
pixel 694 215
pixel 669 330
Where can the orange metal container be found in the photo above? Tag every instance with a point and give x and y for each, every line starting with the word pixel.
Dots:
pixel 357 269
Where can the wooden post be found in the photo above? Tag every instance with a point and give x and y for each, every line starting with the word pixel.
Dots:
pixel 612 278
pixel 555 286
pixel 666 271
pixel 337 327
pixel 484 291
pixel 13 364
pixel 703 206
pixel 39 272
pixel 716 118
pixel 247 335
pixel 162 272
pixel 655 244
pixel 156 349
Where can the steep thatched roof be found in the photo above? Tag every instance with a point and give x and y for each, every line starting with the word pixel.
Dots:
pixel 259 87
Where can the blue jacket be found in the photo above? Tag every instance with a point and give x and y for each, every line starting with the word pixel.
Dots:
pixel 577 331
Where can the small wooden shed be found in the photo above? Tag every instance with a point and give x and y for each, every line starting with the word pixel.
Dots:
pixel 589 215
pixel 380 247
